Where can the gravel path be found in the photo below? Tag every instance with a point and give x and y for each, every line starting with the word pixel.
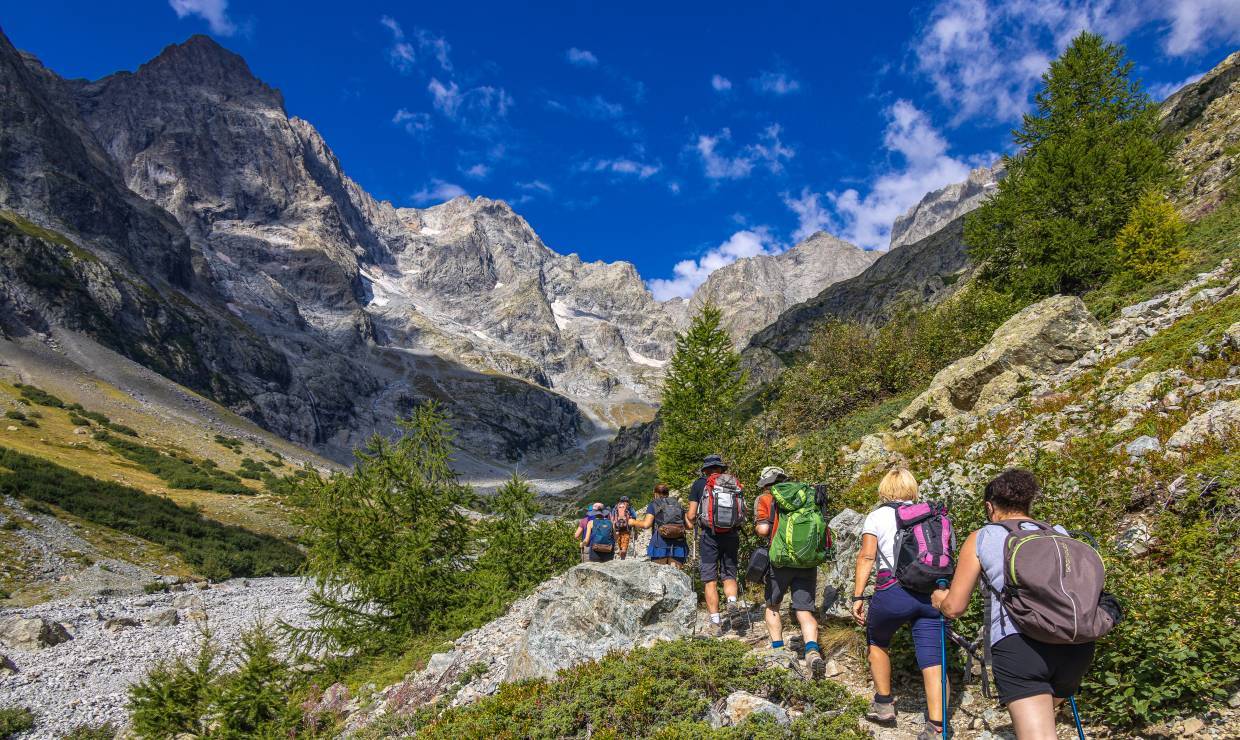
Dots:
pixel 85 680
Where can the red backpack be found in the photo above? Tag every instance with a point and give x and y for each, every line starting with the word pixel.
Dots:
pixel 722 504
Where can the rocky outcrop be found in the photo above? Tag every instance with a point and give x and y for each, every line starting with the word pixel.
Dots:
pixel 940 207
pixel 603 607
pixel 753 292
pixel 1204 119
pixel 1037 341
pixel 924 271
pixel 1219 421
pixel 838 574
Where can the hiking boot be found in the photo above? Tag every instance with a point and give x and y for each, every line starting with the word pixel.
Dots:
pixel 817 666
pixel 881 713
pixel 716 629
pixel 929 732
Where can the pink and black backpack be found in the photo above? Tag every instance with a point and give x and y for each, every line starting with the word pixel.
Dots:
pixel 923 548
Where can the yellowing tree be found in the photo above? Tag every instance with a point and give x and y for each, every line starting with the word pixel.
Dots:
pixel 1150 244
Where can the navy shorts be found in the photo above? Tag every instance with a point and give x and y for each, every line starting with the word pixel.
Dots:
pixel 891 609
pixel 718 553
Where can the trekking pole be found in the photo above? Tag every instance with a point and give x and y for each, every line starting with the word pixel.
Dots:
pixel 947 732
pixel 1076 717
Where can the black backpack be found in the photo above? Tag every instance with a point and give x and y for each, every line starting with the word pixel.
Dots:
pixel 669 518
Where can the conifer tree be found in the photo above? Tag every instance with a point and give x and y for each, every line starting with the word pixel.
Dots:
pixel 700 393
pixel 388 542
pixel 1089 151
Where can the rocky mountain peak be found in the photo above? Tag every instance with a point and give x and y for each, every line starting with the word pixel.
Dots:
pixel 940 207
pixel 200 62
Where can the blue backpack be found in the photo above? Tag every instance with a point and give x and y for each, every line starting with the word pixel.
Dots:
pixel 602 536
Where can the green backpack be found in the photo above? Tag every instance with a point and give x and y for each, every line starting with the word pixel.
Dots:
pixel 800 541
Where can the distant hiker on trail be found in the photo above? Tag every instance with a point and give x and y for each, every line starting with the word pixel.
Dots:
pixel 622 521
pixel 798 545
pixel 1039 639
pixel 666 518
pixel 600 537
pixel 717 509
pixel 912 544
pixel 583 527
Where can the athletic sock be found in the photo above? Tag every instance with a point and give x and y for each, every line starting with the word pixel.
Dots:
pixel 714 618
pixel 811 646
pixel 884 698
pixel 776 644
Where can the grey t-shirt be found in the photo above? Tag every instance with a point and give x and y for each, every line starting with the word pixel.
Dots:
pixel 990 539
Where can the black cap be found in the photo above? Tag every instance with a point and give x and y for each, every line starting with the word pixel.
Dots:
pixel 713 461
pixel 624 498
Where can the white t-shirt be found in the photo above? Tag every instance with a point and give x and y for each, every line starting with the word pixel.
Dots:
pixel 882 524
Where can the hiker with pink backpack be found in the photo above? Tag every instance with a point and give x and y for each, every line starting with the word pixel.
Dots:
pixel 1045 606
pixel 911 543
pixel 717 510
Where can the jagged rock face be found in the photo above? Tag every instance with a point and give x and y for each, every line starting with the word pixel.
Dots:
pixel 940 207
pixel 754 291
pixel 1206 114
pixel 1039 340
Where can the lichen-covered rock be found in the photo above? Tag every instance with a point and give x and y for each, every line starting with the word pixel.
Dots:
pixel 739 705
pixel 1039 340
pixel 836 577
pixel 1141 394
pixel 602 607
pixel 32 633
pixel 1219 421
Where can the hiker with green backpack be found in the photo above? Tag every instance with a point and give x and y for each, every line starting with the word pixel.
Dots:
pixel 789 516
pixel 1045 606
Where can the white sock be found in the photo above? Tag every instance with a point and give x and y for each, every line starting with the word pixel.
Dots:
pixel 731 599
pixel 714 618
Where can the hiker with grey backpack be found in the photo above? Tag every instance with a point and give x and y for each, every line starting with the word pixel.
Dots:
pixel 1045 605
pixel 788 516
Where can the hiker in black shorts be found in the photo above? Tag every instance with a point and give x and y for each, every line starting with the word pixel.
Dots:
pixel 718 549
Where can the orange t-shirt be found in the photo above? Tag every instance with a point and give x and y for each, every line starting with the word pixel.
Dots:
pixel 765 510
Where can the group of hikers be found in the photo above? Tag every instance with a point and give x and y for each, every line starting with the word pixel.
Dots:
pixel 1044 603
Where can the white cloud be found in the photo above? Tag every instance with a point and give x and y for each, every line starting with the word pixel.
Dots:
pixel 535 185
pixel 984 58
pixel 689 274
pixel 720 83
pixel 474 107
pixel 413 123
pixel 214 12
pixel 403 52
pixel 812 215
pixel 768 151
pixel 866 220
pixel 438 191
pixel 581 57
pixel 478 171
pixel 445 98
pixel 623 166
pixel 776 83
pixel 1162 91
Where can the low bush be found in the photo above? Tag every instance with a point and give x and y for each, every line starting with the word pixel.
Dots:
pixel 15 415
pixel 215 550
pixel 105 731
pixel 122 429
pixel 178 471
pixel 662 691
pixel 37 395
pixel 14 721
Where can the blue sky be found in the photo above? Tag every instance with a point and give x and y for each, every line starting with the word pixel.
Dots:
pixel 678 136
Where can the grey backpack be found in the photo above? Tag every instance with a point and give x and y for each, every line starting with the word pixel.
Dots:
pixel 1052 585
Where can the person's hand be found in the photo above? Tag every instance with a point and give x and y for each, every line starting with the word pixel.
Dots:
pixel 938 597
pixel 858 612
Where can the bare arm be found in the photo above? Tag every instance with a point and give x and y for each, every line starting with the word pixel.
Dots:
pixel 952 602
pixel 580 534
pixel 691 514
pixel 644 522
pixel 763 528
pixel 865 563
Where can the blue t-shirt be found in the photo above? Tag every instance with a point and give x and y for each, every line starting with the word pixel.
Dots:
pixel 662 548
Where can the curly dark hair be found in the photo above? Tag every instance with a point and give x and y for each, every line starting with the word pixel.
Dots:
pixel 661 489
pixel 1013 490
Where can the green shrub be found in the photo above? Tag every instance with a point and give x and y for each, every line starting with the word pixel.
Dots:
pixel 229 442
pixel 661 691
pixel 215 550
pixel 4 594
pixel 177 470
pixel 14 721
pixel 122 429
pixel 154 587
pixel 78 421
pixel 105 731
pixel 175 697
pixel 38 396
pixel 1149 245
pixel 15 415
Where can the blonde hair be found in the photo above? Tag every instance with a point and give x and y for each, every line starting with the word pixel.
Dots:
pixel 897 485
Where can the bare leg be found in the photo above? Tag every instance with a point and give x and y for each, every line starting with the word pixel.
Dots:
pixel 774 624
pixel 932 677
pixel 880 670
pixel 712 596
pixel 809 626
pixel 729 589
pixel 1033 717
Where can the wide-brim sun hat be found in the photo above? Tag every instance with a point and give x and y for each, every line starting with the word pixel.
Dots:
pixel 714 461
pixel 770 475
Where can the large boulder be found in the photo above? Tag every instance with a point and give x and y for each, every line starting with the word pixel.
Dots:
pixel 31 633
pixel 1036 342
pixel 837 575
pixel 601 607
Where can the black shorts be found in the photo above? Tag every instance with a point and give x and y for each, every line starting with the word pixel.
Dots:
pixel 718 553
pixel 802 582
pixel 600 557
pixel 1024 667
